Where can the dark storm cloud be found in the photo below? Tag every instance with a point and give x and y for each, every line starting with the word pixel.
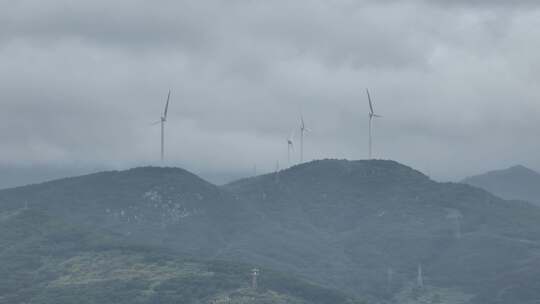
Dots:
pixel 81 82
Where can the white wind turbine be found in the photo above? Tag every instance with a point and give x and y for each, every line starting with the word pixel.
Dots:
pixel 162 121
pixel 290 147
pixel 371 116
pixel 303 130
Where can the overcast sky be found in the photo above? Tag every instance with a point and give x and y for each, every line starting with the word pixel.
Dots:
pixel 82 81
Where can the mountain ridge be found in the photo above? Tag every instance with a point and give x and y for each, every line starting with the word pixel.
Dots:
pixel 514 183
pixel 343 224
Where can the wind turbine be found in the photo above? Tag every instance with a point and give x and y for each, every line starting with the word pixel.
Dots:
pixel 371 116
pixel 162 121
pixel 303 130
pixel 290 147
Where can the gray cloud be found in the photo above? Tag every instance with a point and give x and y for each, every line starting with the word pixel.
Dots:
pixel 81 82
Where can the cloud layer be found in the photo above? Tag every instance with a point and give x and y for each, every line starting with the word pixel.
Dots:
pixel 81 82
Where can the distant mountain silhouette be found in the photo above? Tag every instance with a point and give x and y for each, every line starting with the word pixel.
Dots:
pixel 361 226
pixel 515 183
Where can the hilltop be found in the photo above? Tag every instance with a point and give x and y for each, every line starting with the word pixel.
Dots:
pixel 514 183
pixel 167 207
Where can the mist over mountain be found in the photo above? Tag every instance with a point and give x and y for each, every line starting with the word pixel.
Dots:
pixel 132 133
pixel 363 227
pixel 518 183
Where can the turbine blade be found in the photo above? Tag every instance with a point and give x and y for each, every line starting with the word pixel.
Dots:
pixel 167 105
pixel 369 100
pixel 155 123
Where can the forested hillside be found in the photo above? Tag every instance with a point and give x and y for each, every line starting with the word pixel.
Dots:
pixel 361 227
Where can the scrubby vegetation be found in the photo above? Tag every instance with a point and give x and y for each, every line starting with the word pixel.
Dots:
pixel 47 261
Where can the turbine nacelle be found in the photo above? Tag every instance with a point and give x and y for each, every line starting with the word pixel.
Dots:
pixel 290 147
pixel 371 111
pixel 371 116
pixel 163 117
pixel 290 141
pixel 303 128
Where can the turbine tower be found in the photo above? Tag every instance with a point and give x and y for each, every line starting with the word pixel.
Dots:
pixel 163 120
pixel 290 147
pixel 455 216
pixel 303 130
pixel 254 275
pixel 276 173
pixel 420 277
pixel 389 277
pixel 371 116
